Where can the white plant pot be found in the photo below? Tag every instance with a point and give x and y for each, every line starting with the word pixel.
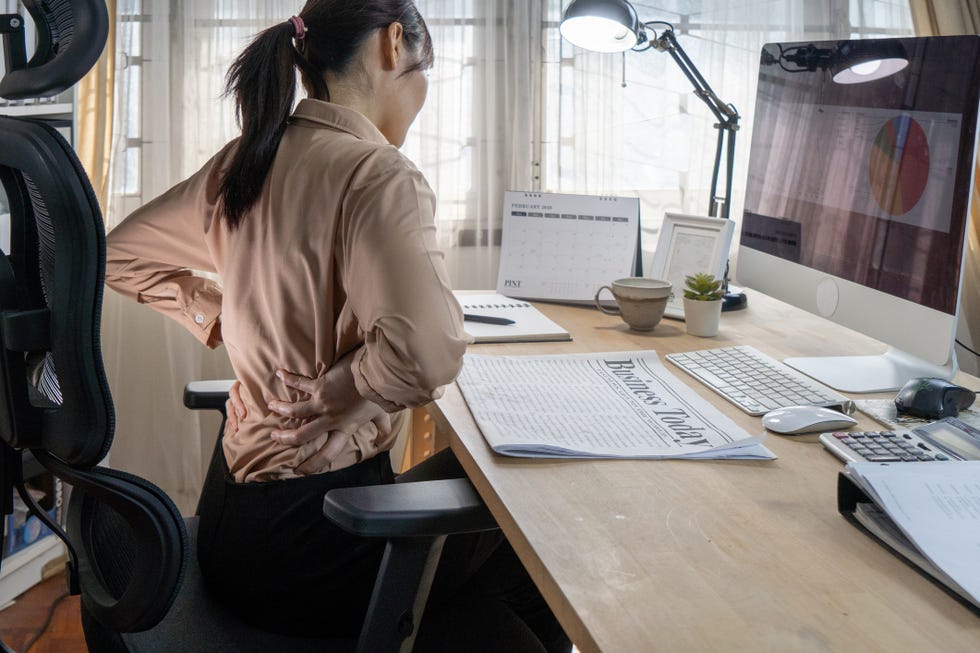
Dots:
pixel 702 318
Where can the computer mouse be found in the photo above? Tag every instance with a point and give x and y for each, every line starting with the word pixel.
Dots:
pixel 794 420
pixel 933 398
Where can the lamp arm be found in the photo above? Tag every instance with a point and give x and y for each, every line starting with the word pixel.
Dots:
pixel 719 204
pixel 667 42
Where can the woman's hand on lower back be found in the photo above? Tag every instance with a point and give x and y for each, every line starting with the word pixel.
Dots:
pixel 332 405
pixel 235 410
pixel 322 459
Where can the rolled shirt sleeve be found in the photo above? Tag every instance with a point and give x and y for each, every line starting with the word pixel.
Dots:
pixel 398 288
pixel 155 254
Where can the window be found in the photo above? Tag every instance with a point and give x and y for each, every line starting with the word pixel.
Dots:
pixel 129 98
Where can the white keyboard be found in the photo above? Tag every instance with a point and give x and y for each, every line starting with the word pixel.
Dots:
pixel 754 382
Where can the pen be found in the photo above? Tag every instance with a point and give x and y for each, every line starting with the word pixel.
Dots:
pixel 486 319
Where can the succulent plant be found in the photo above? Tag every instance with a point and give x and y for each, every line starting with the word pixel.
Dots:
pixel 703 287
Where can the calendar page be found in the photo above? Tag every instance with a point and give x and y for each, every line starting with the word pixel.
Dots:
pixel 563 247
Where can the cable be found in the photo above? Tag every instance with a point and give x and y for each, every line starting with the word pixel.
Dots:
pixel 968 349
pixel 47 622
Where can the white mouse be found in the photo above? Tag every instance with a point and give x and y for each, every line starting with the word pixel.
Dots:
pixel 805 419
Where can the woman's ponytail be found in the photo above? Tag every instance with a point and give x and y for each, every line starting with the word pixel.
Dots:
pixel 263 82
pixel 262 79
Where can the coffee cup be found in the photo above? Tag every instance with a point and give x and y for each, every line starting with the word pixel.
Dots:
pixel 640 301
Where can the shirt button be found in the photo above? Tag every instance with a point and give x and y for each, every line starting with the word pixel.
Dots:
pixel 199 318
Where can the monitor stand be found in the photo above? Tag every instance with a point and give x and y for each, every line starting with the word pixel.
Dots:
pixel 864 374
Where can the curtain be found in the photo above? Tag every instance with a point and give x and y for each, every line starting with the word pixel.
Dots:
pixel 474 137
pixel 93 115
pixel 169 119
pixel 511 107
pixel 951 17
pixel 945 17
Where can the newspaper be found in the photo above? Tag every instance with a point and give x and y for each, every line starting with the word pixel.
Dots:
pixel 598 405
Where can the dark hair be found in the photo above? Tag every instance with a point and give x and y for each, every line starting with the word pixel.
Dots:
pixel 263 80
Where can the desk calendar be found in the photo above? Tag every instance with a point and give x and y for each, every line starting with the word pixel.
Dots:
pixel 561 247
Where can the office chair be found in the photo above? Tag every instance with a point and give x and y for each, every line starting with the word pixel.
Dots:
pixel 131 554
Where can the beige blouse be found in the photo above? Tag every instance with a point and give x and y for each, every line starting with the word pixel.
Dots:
pixel 338 254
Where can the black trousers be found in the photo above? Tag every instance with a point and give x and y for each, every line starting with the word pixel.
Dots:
pixel 268 553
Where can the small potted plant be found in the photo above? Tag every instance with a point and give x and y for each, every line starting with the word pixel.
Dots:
pixel 702 304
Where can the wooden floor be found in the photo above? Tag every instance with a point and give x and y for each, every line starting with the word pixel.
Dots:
pixel 22 620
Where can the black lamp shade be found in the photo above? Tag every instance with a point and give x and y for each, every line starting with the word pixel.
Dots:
pixel 601 25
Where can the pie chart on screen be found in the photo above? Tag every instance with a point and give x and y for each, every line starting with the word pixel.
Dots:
pixel 899 167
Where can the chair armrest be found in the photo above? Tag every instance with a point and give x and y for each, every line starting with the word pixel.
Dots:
pixel 207 395
pixel 416 518
pixel 423 508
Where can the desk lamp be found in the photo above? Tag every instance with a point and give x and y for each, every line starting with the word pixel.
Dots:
pixel 613 26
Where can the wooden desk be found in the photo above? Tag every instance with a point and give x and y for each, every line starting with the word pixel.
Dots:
pixel 707 555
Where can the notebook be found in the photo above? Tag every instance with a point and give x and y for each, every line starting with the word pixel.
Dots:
pixel 530 324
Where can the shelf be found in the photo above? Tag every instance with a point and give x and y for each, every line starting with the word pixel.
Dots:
pixel 36 110
pixel 24 569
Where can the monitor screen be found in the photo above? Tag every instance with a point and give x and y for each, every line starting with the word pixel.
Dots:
pixel 859 184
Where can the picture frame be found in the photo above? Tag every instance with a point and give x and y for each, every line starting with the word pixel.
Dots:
pixel 689 244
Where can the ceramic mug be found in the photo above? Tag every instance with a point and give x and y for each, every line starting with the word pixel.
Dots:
pixel 640 301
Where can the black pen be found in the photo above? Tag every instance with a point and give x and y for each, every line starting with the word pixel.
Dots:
pixel 486 319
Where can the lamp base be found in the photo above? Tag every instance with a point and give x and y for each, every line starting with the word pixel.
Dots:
pixel 734 300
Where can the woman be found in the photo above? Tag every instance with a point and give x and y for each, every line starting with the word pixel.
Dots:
pixel 323 236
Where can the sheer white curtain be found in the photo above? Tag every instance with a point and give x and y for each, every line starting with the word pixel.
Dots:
pixel 511 106
pixel 476 134
pixel 170 118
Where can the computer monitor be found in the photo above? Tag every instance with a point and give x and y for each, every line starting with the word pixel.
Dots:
pixel 858 194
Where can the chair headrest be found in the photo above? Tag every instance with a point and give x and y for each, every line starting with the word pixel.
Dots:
pixel 70 37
